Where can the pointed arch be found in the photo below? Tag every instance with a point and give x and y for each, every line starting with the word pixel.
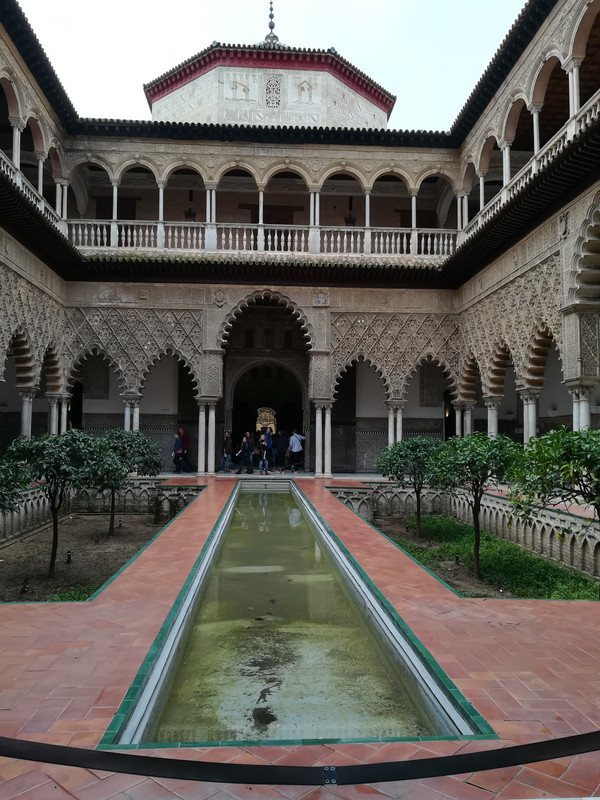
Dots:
pixel 355 359
pixel 468 380
pixel 585 277
pixel 52 371
pixel 431 359
pixel 94 351
pixel 265 295
pixel 497 370
pixel 169 351
pixel 535 363
pixel 25 371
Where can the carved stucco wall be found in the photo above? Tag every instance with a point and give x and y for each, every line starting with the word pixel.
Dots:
pixel 512 315
pixel 28 309
pixel 395 343
pixel 133 339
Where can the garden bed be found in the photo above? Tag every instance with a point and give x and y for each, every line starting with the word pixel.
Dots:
pixel 94 557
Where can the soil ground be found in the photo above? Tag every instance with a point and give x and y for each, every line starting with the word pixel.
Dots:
pixel 455 575
pixel 94 558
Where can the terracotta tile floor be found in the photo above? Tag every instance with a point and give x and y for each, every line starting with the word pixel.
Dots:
pixel 531 668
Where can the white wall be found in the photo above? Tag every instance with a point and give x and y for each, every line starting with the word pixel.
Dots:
pixel 160 394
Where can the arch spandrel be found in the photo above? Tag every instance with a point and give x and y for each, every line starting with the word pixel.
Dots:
pixel 395 342
pixel 133 337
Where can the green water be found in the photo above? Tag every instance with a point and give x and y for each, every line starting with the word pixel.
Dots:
pixel 278 651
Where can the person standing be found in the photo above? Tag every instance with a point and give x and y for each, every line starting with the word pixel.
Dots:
pixel 226 460
pixel 253 449
pixel 295 446
pixel 177 453
pixel 185 442
pixel 281 444
pixel 245 454
pixel 263 457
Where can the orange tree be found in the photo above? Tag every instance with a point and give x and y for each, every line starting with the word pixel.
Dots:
pixel 134 452
pixel 562 466
pixel 406 462
pixel 59 464
pixel 469 465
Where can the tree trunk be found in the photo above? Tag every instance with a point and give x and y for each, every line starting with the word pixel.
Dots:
pixel 54 511
pixel 111 524
pixel 418 496
pixel 476 508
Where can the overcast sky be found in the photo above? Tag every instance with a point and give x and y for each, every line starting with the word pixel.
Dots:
pixel 429 53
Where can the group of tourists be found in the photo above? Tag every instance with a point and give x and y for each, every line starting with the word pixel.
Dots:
pixel 267 451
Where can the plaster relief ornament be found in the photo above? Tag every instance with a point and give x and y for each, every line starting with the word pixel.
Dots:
pixel 219 298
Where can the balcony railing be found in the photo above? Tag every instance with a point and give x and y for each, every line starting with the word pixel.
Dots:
pixel 222 237
pixel 191 237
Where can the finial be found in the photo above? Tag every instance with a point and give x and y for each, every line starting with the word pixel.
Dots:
pixel 271 36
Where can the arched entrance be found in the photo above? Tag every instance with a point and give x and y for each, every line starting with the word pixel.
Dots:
pixel 266 384
pixel 266 365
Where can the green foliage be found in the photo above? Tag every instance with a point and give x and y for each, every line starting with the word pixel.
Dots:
pixel 59 463
pixel 502 564
pixel 563 466
pixel 75 594
pixel 136 451
pixel 13 478
pixel 469 465
pixel 406 462
pixel 126 452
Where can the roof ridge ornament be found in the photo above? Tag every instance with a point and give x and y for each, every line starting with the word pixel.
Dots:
pixel 271 37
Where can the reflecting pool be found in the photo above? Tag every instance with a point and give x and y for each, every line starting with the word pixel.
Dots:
pixel 279 650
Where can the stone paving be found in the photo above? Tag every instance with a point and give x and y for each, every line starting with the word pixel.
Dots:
pixel 530 668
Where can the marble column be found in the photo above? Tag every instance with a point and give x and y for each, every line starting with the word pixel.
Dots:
pixel 399 414
pixel 481 191
pixel 391 422
pixel 585 412
pixel 53 420
pixel 201 438
pixel 327 471
pixel 318 441
pixel 41 157
pixel 135 425
pixel 210 465
pixel 127 416
pixel 26 396
pixel 458 419
pixel 65 399
pixel 492 404
pixel 468 408
pixel 18 126
pixel 575 398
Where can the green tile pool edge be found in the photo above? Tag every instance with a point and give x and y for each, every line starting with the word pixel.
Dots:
pixel 107 742
pixel 114 726
pixel 461 701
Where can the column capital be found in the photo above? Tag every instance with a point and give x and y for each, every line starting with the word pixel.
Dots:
pixel 207 401
pixel 493 400
pixel 17 122
pixel 529 395
pixel 28 393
